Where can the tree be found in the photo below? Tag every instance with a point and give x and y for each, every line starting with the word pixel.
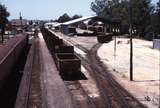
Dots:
pixel 108 8
pixel 158 9
pixel 158 6
pixel 65 17
pixel 155 19
pixel 98 6
pixel 76 16
pixel 141 10
pixel 3 19
pixel 113 9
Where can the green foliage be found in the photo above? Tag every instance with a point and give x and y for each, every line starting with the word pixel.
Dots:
pixel 76 16
pixel 158 8
pixel 3 19
pixel 155 19
pixel 65 17
pixel 158 4
pixel 3 15
pixel 98 6
pixel 141 12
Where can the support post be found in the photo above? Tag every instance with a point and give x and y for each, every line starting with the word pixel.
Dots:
pixel 131 43
pixel 2 34
pixel 115 48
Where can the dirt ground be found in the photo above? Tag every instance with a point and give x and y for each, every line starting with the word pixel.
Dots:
pixel 146 68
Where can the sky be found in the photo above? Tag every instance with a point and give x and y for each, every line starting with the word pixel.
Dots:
pixel 48 9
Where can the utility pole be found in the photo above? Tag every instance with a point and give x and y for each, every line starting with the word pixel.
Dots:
pixel 20 17
pixel 131 43
pixel 115 47
pixel 115 41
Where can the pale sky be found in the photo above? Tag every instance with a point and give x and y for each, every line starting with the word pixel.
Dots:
pixel 48 9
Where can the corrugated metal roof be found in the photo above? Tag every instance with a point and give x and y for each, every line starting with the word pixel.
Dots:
pixel 77 20
pixel 103 19
pixel 55 24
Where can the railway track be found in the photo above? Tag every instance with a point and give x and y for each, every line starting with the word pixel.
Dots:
pixel 80 96
pixel 114 94
pixel 119 96
pixel 35 92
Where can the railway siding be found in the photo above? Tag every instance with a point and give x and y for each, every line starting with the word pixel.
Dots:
pixel 56 94
pixel 114 94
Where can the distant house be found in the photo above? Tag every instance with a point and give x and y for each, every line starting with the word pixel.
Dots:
pixel 17 25
pixel 17 22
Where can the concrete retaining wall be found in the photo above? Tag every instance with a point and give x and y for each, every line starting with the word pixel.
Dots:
pixel 9 54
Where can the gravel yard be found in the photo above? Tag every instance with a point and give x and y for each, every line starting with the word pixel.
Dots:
pixel 146 68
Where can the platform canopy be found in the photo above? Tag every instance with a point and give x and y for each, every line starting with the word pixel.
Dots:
pixel 105 20
pixel 78 20
pixel 55 24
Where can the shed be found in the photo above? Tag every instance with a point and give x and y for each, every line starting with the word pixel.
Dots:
pixel 156 44
pixel 66 25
